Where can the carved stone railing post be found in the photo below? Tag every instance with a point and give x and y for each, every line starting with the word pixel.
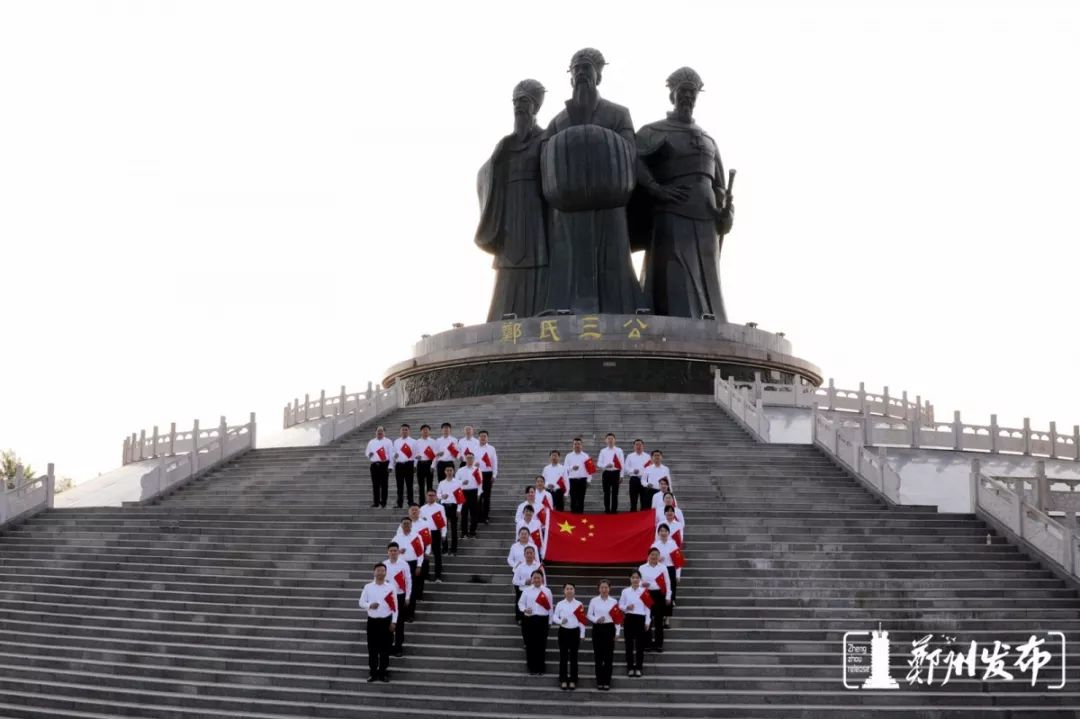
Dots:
pixel 154 440
pixel 1042 487
pixel 223 434
pixel 832 395
pixel 307 407
pixel 1027 436
pixel 172 439
pixel 995 433
pixel 322 403
pixel 957 431
pixel 142 444
pixel 341 401
pixel 195 441
pixel 1053 440
pixel 251 430
pixel 973 480
pixel 885 400
pixel 50 485
pixel 916 423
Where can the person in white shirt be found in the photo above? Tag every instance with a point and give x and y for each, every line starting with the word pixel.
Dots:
pixel 523 578
pixel 404 464
pixel 536 604
pixel 379 601
pixel 446 450
pixel 578 471
pixel 676 525
pixel 634 467
pixel 569 617
pixel 426 531
pixel 605 628
pixel 530 501
pixel 448 494
pixel 469 442
pixel 399 575
pixel 658 500
pixel 660 504
pixel 633 603
pixel 669 550
pixel 435 516
pixel 411 544
pixel 488 460
pixel 654 577
pixel 544 502
pixel 530 524
pixel 473 484
pixel 650 480
pixel 556 480
pixel 380 466
pixel 517 550
pixel 611 461
pixel 426 448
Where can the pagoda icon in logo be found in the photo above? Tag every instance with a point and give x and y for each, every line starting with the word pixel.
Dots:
pixel 879 662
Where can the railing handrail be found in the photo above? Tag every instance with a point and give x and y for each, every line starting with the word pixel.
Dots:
pixel 20 501
pixel 332 405
pixel 155 444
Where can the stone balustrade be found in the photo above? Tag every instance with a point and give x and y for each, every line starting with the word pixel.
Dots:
pixel 26 497
pixel 343 412
pixel 156 444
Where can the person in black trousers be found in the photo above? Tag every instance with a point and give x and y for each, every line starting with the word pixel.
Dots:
pixel 378 600
pixel 634 606
pixel 536 604
pixel 603 613
pixel 404 464
pixel 425 465
pixel 380 450
pixel 447 487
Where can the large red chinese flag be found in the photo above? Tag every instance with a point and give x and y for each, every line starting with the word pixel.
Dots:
pixel 599 538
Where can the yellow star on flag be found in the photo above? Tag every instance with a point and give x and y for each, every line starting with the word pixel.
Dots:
pixel 566 527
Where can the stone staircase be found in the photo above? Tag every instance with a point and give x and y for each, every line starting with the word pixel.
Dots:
pixel 236 596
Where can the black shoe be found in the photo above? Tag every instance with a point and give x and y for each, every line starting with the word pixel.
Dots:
pixel 371 678
pixel 385 678
pixel 375 505
pixel 399 653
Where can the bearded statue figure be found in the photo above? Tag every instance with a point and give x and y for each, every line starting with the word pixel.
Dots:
pixel 682 208
pixel 512 211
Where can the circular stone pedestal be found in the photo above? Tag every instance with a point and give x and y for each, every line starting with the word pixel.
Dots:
pixel 617 353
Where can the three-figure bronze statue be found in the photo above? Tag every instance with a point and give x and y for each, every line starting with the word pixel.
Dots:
pixel 562 209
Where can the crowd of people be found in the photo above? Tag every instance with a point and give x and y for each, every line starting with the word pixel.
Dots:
pixel 461 500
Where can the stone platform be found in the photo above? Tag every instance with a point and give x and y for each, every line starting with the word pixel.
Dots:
pixel 570 353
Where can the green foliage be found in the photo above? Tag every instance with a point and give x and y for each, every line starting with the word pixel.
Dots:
pixel 8 462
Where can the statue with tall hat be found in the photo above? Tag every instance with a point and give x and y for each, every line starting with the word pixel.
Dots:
pixel 588 176
pixel 682 209
pixel 513 214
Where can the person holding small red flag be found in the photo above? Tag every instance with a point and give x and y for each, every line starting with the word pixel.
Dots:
pixel 634 466
pixel 426 451
pixel 654 577
pixel 516 554
pixel 580 468
pixel 379 451
pixel 676 526
pixel 523 578
pixel 488 460
pixel 543 502
pixel 412 551
pixel 404 464
pixel 536 604
pixel 472 483
pixel 435 516
pixel 606 618
pixel 532 524
pixel 556 479
pixel 650 479
pixel 446 451
pixel 611 461
pixel 636 603
pixel 400 578
pixel 426 530
pixel 569 616
pixel 452 497
pixel 530 501
pixel 380 601
pixel 671 556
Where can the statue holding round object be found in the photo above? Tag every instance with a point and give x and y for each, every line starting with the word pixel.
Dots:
pixel 587 167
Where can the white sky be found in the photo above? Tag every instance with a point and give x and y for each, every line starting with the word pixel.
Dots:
pixel 211 207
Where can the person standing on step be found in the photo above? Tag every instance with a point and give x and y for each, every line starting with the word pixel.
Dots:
pixel 671 556
pixel 569 617
pixel 435 516
pixel 380 601
pixel 404 464
pixel 662 501
pixel 654 578
pixel 446 450
pixel 578 466
pixel 426 530
pixel 556 480
pixel 532 525
pixel 469 442
pixel 611 461
pixel 650 480
pixel 658 498
pixel 522 576
pixel 675 525
pixel 536 604
pixel 380 451
pixel 516 554
pixel 606 618
pixel 530 501
pixel 473 483
pixel 488 459
pixel 399 575
pixel 635 603
pixel 634 467
pixel 412 551
pixel 426 451
pixel 543 502
pixel 452 497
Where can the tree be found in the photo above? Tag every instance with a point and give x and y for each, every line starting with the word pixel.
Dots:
pixel 8 462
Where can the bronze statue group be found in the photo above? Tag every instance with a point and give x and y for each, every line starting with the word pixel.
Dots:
pixel 563 208
pixel 639 612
